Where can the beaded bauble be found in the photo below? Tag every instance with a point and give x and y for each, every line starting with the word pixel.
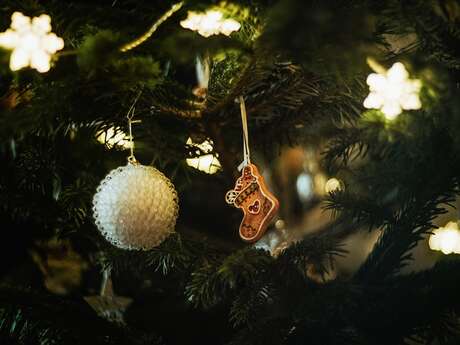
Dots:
pixel 135 207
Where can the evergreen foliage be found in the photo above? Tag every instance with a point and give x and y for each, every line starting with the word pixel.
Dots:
pixel 301 66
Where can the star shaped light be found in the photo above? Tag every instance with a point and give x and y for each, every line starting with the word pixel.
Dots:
pixel 210 23
pixel 393 91
pixel 31 41
pixel 446 239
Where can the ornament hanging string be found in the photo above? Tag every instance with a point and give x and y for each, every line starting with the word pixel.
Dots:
pixel 130 116
pixel 244 121
pixel 106 286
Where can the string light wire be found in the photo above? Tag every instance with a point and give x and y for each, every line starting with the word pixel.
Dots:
pixel 138 41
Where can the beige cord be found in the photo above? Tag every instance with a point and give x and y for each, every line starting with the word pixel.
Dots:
pixel 246 151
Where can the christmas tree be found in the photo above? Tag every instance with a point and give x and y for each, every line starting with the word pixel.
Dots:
pixel 127 127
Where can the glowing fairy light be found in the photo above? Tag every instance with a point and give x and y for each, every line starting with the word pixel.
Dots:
pixel 393 91
pixel 280 224
pixel 207 163
pixel 113 137
pixel 304 185
pixel 31 41
pixel 333 185
pixel 446 239
pixel 210 23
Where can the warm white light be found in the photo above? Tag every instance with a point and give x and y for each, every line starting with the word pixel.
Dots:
pixel 446 239
pixel 228 26
pixel 280 224
pixel 333 185
pixel 207 163
pixel 31 41
pixel 393 91
pixel 210 23
pixel 113 137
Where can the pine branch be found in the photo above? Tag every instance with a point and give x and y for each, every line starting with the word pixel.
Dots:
pixel 399 236
pixel 34 318
pixel 173 255
pixel 344 148
pixel 251 303
pixel 317 250
pixel 360 209
pixel 212 283
pixel 434 24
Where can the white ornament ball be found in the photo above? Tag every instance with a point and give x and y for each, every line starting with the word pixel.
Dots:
pixel 135 207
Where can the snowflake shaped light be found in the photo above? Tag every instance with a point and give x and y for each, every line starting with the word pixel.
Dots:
pixel 393 91
pixel 114 137
pixel 208 163
pixel 446 239
pixel 31 41
pixel 210 23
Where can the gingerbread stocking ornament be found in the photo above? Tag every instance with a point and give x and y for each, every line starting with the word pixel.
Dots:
pixel 251 194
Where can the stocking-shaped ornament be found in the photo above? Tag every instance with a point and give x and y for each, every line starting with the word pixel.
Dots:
pixel 251 194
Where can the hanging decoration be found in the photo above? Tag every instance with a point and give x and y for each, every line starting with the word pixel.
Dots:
pixel 210 23
pixel 135 206
pixel 208 162
pixel 446 239
pixel 392 91
pixel 203 71
pixel 251 194
pixel 107 304
pixel 31 41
